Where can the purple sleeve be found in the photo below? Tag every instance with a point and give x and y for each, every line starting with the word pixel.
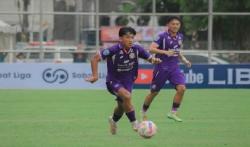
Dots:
pixel 182 37
pixel 158 40
pixel 142 53
pixel 107 52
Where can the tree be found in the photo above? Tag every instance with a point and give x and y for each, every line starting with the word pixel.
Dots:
pixel 126 6
pixel 233 29
pixel 231 32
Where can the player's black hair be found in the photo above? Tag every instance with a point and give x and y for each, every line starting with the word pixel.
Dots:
pixel 174 18
pixel 125 30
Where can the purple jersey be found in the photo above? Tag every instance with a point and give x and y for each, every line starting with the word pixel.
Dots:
pixel 166 42
pixel 123 65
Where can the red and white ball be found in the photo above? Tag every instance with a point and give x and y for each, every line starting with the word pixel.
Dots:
pixel 147 129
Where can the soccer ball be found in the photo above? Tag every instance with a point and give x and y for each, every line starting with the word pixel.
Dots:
pixel 147 129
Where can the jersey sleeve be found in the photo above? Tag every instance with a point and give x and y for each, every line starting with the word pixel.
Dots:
pixel 159 39
pixel 180 40
pixel 142 53
pixel 107 52
pixel 182 37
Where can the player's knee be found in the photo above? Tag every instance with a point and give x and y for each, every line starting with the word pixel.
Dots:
pixel 126 96
pixel 181 88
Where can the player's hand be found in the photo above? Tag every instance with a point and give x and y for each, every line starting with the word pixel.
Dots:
pixel 155 60
pixel 91 79
pixel 169 53
pixel 188 64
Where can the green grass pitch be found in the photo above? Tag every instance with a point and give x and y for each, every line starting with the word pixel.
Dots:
pixel 78 118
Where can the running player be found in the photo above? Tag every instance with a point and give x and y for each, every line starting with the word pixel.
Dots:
pixel 122 64
pixel 167 47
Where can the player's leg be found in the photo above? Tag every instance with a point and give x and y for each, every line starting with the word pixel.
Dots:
pixel 117 115
pixel 148 100
pixel 158 81
pixel 180 90
pixel 128 106
pixel 123 93
pixel 118 110
pixel 177 79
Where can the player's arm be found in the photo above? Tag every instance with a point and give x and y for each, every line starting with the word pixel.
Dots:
pixel 153 48
pixel 94 67
pixel 145 55
pixel 184 60
pixel 154 60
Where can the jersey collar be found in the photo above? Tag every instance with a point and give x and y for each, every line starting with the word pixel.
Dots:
pixel 176 37
pixel 125 51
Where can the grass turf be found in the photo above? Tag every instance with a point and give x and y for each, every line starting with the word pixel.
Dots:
pixel 78 118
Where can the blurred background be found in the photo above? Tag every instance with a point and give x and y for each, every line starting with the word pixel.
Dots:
pixel 70 31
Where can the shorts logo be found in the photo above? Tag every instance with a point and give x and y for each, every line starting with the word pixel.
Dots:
pixel 59 75
pixel 116 85
pixel 106 52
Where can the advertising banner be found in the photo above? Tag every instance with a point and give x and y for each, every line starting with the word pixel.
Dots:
pixel 71 76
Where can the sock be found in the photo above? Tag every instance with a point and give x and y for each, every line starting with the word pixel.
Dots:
pixel 145 107
pixel 131 116
pixel 175 106
pixel 116 117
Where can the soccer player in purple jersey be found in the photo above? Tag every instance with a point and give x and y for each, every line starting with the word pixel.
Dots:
pixel 122 65
pixel 167 47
